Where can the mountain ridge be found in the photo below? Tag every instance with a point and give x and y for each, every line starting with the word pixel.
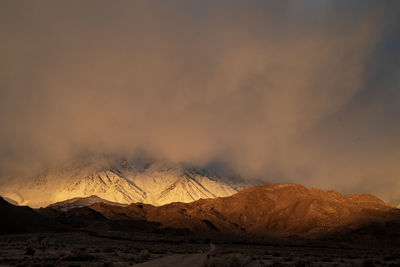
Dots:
pixel 265 212
pixel 120 181
pixel 279 210
pixel 79 202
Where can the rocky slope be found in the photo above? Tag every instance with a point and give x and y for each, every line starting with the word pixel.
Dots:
pixel 280 210
pixel 80 202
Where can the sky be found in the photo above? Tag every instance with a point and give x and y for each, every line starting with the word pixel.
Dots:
pixel 287 91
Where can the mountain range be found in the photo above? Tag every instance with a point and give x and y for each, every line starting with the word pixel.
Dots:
pixel 283 211
pixel 119 194
pixel 120 180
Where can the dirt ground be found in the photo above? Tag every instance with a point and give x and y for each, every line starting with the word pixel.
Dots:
pixel 122 249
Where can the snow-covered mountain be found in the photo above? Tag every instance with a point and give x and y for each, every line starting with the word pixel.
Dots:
pixel 121 181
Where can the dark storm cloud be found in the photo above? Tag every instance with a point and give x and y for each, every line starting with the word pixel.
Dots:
pixel 292 91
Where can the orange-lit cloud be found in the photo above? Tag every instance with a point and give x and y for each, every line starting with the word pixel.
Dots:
pixel 295 91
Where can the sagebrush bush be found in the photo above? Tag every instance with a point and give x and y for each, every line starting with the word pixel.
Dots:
pixel 230 260
pixel 143 255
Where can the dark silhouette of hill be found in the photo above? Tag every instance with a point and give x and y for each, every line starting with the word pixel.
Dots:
pixel 22 219
pixel 86 218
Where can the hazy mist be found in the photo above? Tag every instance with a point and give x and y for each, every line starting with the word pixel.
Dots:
pixel 291 91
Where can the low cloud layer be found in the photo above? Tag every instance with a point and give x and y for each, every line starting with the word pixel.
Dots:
pixel 294 91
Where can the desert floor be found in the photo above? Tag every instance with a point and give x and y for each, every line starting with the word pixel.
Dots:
pixel 121 249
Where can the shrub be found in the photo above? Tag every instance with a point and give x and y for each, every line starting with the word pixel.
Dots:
pixel 230 260
pixel 29 251
pixel 368 263
pixel 302 263
pixel 143 255
pixel 79 255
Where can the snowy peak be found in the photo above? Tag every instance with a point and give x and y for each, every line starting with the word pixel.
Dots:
pixel 119 181
pixel 174 183
pixel 108 185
